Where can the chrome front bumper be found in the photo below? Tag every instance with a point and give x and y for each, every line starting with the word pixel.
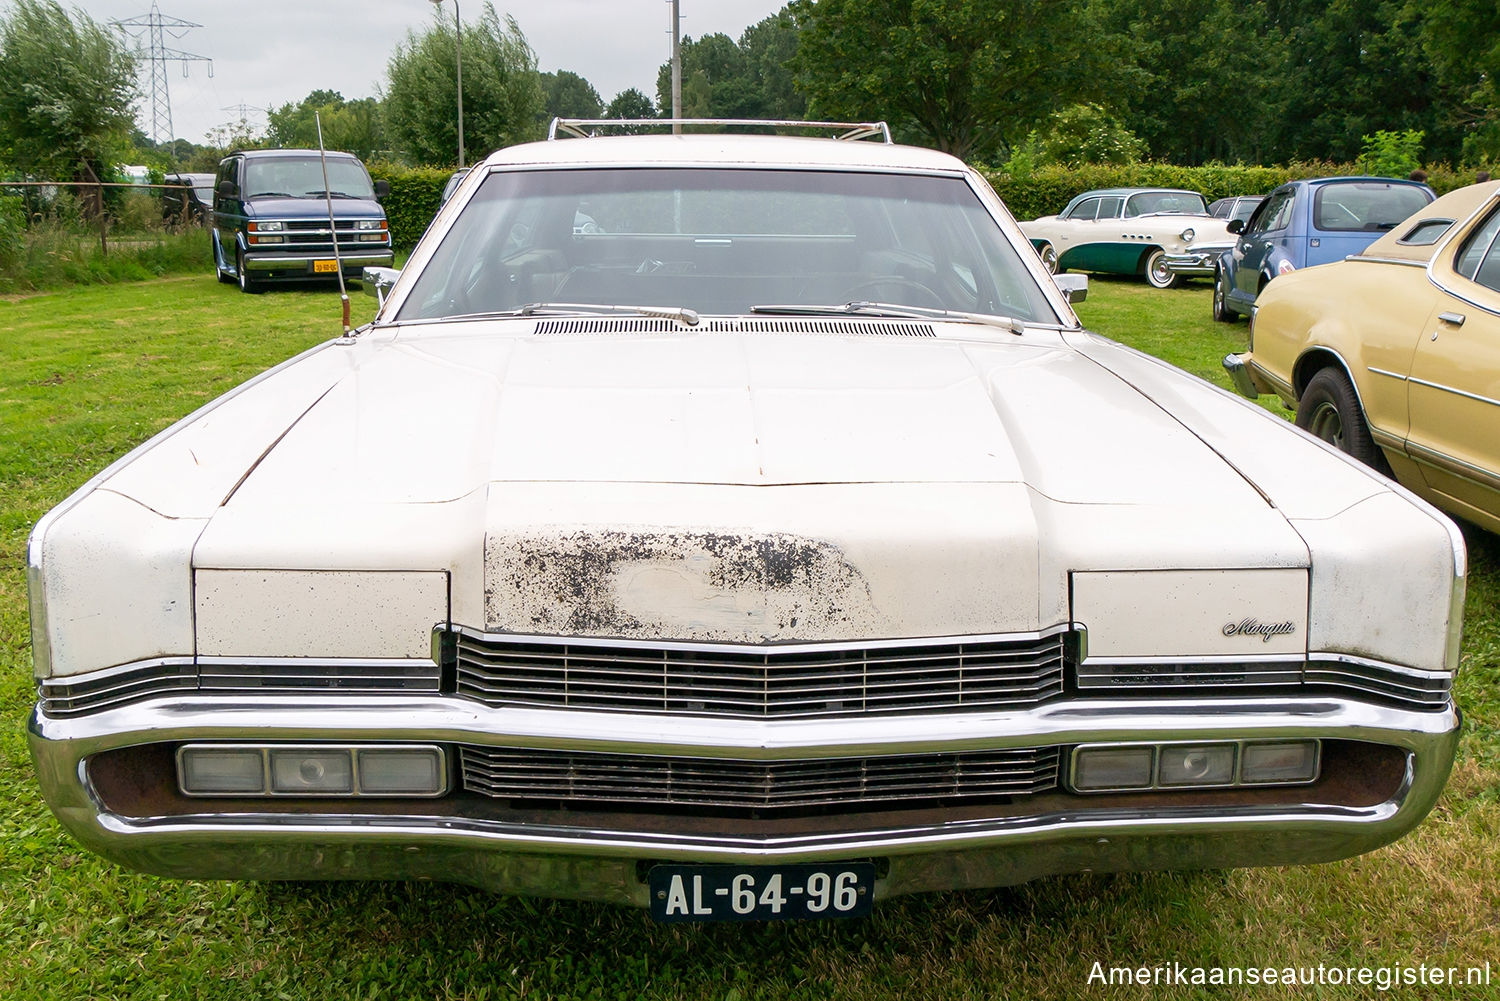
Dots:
pixel 604 862
pixel 353 262
pixel 1197 263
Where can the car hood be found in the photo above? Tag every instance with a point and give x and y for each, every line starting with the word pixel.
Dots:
pixel 432 418
pixel 736 485
pixel 312 208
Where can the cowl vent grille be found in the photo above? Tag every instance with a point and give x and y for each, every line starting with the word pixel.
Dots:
pixel 652 325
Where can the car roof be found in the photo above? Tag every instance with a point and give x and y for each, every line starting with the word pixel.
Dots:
pixel 1456 205
pixel 1364 178
pixel 270 153
pixel 718 150
pixel 1138 191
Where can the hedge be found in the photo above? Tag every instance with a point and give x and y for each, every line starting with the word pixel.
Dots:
pixel 1047 190
pixel 416 192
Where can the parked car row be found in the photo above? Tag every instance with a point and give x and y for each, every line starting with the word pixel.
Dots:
pixel 739 527
pixel 1393 354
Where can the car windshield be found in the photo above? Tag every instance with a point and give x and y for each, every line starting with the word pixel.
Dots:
pixel 1155 202
pixel 1366 206
pixel 722 240
pixel 302 177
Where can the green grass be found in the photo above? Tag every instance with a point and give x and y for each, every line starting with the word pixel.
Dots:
pixel 86 374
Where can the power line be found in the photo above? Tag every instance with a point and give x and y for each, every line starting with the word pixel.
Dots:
pixel 155 26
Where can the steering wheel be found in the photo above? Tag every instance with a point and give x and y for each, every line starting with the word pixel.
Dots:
pixel 855 292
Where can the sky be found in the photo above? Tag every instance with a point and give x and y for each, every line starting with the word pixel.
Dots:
pixel 267 53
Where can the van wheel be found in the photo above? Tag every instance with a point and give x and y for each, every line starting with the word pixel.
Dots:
pixel 247 284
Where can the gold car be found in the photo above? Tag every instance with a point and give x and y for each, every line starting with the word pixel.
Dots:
pixel 1393 354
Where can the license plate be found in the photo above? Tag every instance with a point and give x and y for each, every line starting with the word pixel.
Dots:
pixel 761 892
pixel 325 267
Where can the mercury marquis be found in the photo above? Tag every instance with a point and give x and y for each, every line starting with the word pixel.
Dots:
pixel 777 543
pixel 1393 354
pixel 1130 231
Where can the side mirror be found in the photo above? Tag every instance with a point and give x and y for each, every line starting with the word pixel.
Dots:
pixel 378 282
pixel 226 189
pixel 1236 226
pixel 1075 288
pixel 382 188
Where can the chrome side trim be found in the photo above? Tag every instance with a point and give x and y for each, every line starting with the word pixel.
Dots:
pixel 1456 392
pixel 1458 467
pixel 1360 258
pixel 1385 372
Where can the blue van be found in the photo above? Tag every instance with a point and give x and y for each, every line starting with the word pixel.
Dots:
pixel 270 218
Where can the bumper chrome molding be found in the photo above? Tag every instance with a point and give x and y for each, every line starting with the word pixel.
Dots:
pixel 600 864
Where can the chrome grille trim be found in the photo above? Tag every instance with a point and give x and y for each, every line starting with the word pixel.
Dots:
pixel 810 679
pixel 77 695
pixel 1356 676
pixel 589 779
pixel 651 325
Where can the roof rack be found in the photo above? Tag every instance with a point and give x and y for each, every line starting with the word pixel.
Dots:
pixel 582 127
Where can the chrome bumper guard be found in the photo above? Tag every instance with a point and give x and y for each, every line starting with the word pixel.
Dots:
pixel 1195 264
pixel 1239 374
pixel 603 864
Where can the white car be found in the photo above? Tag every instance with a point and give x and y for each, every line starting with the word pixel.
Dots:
pixel 780 544
pixel 1155 232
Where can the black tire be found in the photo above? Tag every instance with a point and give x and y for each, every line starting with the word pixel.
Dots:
pixel 1222 312
pixel 1049 257
pixel 1329 409
pixel 1156 270
pixel 248 285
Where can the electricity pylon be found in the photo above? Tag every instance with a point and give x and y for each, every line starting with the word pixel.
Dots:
pixel 155 26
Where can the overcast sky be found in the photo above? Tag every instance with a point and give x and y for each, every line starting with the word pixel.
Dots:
pixel 268 52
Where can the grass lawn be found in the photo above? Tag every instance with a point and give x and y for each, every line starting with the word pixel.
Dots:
pixel 87 373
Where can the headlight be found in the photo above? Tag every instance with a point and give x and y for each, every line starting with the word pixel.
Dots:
pixel 1188 234
pixel 369 224
pixel 267 227
pixel 1285 266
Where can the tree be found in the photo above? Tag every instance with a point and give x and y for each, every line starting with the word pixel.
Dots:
pixel 1085 133
pixel 66 107
pixel 722 78
pixel 502 90
pixel 969 77
pixel 1461 41
pixel 352 126
pixel 568 95
pixel 630 103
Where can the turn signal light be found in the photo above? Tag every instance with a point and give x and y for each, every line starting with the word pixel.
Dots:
pixel 1203 765
pixel 312 770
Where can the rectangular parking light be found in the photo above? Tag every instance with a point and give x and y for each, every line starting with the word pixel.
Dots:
pixel 221 771
pixel 312 770
pixel 1113 768
pixel 1196 765
pixel 1279 762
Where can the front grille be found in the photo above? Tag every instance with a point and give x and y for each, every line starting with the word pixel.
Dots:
pixel 1386 683
pixel 716 785
pixel 121 686
pixel 835 679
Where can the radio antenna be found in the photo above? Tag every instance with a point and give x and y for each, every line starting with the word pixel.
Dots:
pixel 333 230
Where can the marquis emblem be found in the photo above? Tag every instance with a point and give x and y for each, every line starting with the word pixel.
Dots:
pixel 1255 627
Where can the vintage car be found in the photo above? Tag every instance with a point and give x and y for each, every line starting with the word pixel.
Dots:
pixel 776 543
pixel 271 212
pixel 1130 231
pixel 1305 223
pixel 1235 207
pixel 1393 355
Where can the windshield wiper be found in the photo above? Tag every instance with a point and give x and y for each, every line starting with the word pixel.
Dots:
pixel 331 194
pixel 687 317
pixel 893 309
pixel 270 194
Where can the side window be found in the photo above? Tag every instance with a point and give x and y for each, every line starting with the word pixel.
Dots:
pixel 1272 215
pixel 1109 208
pixel 1086 209
pixel 1479 257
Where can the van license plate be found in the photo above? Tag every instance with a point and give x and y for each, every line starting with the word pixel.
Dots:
pixel 325 267
pixel 761 892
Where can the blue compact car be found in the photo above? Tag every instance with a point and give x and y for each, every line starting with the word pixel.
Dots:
pixel 1305 223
